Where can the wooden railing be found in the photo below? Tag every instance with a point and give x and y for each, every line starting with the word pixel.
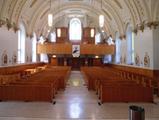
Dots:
pixel 85 49
pixel 50 48
pixel 145 72
pixel 101 49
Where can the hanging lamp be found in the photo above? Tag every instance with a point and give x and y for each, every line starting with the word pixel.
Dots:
pixel 101 19
pixel 59 29
pixel 50 17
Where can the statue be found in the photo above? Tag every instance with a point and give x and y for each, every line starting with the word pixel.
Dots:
pixel 4 58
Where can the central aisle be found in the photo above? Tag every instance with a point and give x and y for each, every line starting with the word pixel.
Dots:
pixel 76 102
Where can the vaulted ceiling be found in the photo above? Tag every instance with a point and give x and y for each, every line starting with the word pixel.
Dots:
pixel 118 13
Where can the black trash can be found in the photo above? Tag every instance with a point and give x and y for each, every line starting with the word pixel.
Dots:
pixel 136 113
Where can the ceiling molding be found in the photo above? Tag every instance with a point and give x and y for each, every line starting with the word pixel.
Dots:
pixel 34 12
pixel 33 3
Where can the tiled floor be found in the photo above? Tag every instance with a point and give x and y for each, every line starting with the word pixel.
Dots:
pixel 76 102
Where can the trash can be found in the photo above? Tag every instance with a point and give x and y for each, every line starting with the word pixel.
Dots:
pixel 136 113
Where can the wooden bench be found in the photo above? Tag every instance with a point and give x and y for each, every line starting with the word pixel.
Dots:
pixel 125 93
pixel 110 83
pixel 26 92
pixel 40 86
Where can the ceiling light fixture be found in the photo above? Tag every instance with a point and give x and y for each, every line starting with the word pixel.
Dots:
pixel 59 29
pixel 101 18
pixel 92 33
pixel 50 17
pixel 59 32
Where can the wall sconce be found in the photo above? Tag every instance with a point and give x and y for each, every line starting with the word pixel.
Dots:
pixel 54 56
pixel 96 57
pixel 92 33
pixel 59 32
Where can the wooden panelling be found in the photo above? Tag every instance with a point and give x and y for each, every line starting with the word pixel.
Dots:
pixel 86 38
pixel 100 49
pixel 60 61
pixel 97 62
pixel 86 32
pixel 86 35
pixel 85 49
pixel 156 74
pixel 54 61
pixel 51 48
pixel 64 35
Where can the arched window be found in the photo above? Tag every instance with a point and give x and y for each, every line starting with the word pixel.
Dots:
pixel 34 42
pixel 97 38
pixel 107 59
pixel 118 48
pixel 53 37
pixel 130 45
pixel 75 30
pixel 21 43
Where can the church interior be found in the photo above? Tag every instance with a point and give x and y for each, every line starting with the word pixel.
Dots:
pixel 79 59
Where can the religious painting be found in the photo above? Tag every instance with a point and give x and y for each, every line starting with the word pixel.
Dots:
pixel 75 50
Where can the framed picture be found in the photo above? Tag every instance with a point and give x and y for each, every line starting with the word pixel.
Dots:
pixel 75 50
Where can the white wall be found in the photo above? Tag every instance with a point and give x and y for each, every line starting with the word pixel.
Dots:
pixel 28 51
pixel 144 43
pixel 8 42
pixel 123 51
pixel 156 48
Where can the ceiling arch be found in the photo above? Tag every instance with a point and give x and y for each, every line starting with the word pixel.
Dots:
pixel 87 8
pixel 114 13
pixel 58 12
pixel 117 13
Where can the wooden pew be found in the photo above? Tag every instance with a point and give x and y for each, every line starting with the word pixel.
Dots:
pixel 40 86
pixel 110 83
pixel 126 93
pixel 26 92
